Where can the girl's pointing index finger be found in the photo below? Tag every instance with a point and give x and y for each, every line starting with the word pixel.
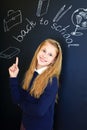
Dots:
pixel 17 61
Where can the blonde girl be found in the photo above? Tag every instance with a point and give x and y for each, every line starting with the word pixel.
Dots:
pixel 37 95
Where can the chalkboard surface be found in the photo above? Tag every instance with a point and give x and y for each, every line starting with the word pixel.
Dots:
pixel 23 25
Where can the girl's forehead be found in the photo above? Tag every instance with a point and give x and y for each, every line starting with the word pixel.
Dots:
pixel 50 47
pixel 47 44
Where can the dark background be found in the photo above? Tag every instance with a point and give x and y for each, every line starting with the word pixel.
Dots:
pixel 71 110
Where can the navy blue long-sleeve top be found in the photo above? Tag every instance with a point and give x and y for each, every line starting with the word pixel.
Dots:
pixel 37 113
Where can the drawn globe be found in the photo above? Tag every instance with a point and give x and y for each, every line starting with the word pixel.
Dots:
pixel 79 18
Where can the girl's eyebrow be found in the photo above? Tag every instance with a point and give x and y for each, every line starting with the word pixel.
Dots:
pixel 43 48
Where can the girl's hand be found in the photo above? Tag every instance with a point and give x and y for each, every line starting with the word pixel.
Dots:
pixel 14 70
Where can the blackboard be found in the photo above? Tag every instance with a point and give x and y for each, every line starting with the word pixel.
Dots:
pixel 23 25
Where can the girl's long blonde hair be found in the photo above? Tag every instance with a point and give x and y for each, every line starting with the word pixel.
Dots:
pixel 41 80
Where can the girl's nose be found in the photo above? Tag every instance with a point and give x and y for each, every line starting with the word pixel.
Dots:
pixel 44 55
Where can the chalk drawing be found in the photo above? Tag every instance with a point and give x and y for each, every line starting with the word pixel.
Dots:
pixel 61 13
pixel 9 52
pixel 13 18
pixel 42 7
pixel 79 19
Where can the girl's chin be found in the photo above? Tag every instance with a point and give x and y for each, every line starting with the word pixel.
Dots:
pixel 41 66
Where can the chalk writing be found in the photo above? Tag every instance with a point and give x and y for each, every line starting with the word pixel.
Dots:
pixel 44 22
pixel 23 32
pixel 73 45
pixel 63 31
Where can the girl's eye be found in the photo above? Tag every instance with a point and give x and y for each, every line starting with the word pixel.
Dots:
pixel 50 54
pixel 44 50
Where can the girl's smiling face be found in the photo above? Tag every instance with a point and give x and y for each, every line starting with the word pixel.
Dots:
pixel 46 55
